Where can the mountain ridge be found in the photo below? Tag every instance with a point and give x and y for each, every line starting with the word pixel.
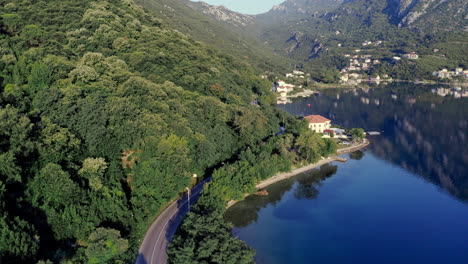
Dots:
pixel 317 33
pixel 322 39
pixel 222 14
pixel 218 27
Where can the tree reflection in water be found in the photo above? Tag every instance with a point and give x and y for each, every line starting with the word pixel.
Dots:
pixel 245 212
pixel 356 155
pixel 423 132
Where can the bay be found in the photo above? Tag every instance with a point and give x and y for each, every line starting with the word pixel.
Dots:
pixel 401 200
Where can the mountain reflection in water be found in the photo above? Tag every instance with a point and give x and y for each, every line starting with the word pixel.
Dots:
pixel 403 199
pixel 423 132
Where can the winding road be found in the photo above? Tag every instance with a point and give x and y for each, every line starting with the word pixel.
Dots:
pixel 153 248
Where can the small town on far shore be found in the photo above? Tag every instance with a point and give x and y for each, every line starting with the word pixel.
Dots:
pixel 369 63
pixel 297 82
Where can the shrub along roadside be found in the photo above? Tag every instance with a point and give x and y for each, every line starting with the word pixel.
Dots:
pixel 204 237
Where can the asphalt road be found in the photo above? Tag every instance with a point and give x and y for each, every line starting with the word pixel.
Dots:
pixel 154 246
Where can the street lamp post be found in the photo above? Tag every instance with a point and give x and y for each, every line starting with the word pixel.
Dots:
pixel 188 198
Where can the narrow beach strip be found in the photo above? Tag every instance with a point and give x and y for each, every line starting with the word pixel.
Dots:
pixel 281 176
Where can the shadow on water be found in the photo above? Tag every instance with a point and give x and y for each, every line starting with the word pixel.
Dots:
pixel 246 212
pixel 356 155
pixel 308 183
pixel 424 131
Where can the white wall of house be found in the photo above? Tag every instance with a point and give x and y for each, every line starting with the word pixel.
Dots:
pixel 319 127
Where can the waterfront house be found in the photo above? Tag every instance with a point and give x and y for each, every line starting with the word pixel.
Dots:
pixel 345 77
pixel 354 76
pixel 318 123
pixel 375 80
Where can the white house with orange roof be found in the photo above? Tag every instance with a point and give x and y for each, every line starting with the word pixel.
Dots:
pixel 318 123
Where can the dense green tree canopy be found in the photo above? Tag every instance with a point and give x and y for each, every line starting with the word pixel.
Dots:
pixel 104 116
pixel 203 237
pixel 104 244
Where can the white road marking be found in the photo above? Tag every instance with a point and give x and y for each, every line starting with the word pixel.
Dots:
pixel 164 227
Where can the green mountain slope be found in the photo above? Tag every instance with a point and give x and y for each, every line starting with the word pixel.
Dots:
pixel 321 40
pixel 105 115
pixel 228 31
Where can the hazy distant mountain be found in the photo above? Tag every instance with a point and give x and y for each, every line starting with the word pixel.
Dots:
pixel 433 14
pixel 223 14
pixel 436 15
pixel 315 25
pixel 295 9
pixel 216 26
pixel 309 32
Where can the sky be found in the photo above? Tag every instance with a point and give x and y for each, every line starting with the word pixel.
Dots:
pixel 251 7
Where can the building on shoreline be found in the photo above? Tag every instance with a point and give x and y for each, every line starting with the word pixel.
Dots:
pixel 318 123
pixel 446 74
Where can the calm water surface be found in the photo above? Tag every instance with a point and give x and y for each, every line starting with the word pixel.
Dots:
pixel 401 200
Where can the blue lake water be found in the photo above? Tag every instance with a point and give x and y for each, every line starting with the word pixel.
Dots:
pixel 401 200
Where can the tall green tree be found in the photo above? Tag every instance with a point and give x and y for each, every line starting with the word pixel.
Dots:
pixel 104 245
pixel 357 134
pixel 207 239
pixel 309 144
pixel 93 170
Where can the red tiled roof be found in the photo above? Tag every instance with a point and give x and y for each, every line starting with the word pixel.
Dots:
pixel 316 119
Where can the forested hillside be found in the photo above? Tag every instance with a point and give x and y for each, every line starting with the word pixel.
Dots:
pixel 107 110
pixel 105 115
pixel 204 237
pixel 318 40
pixel 230 32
